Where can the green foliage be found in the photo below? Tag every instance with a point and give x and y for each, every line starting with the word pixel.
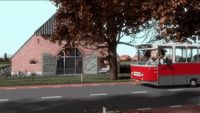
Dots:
pixel 127 62
pixel 4 63
pixel 47 80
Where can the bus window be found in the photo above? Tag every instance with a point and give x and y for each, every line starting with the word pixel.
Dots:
pixel 165 55
pixel 196 58
pixel 147 57
pixel 180 54
pixel 144 56
pixel 191 52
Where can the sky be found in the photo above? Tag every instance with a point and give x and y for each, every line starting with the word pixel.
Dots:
pixel 19 19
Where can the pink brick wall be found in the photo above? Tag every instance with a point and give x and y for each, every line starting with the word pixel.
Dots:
pixel 33 49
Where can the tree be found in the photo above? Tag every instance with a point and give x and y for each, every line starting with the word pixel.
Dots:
pixel 178 19
pixel 100 24
pixel 103 23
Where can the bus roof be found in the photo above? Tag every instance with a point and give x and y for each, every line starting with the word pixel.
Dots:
pixel 155 46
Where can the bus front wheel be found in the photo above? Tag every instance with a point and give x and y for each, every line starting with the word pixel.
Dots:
pixel 193 83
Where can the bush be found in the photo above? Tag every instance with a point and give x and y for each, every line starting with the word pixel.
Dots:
pixel 45 80
pixel 125 69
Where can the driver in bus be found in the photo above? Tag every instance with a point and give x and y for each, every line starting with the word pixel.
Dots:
pixel 153 60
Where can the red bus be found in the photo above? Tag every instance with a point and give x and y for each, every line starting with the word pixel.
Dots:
pixel 167 64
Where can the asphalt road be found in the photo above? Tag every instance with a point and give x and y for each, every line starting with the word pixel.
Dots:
pixel 90 98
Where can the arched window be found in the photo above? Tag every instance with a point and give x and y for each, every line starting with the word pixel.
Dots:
pixel 33 61
pixel 69 61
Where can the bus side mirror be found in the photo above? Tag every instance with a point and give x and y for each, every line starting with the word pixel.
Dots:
pixel 168 61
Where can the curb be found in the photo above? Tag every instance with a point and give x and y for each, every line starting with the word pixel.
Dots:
pixel 67 85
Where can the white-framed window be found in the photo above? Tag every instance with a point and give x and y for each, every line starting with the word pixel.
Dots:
pixel 180 54
pixel 191 52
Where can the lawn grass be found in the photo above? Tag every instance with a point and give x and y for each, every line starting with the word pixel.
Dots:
pixel 47 80
pixel 127 62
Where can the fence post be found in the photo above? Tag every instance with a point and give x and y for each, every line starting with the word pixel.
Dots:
pixel 81 78
pixel 104 109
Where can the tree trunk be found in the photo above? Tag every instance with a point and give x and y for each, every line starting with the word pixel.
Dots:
pixel 113 63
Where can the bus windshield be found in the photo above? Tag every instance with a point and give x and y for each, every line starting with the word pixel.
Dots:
pixel 147 57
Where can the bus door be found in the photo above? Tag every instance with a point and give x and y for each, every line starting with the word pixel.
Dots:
pixel 165 66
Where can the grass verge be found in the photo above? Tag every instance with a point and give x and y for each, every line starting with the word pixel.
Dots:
pixel 47 80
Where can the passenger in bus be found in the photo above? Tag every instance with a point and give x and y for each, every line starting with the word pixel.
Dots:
pixel 196 58
pixel 163 59
pixel 161 56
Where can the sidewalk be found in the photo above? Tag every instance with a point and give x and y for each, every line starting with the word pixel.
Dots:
pixel 66 85
pixel 182 109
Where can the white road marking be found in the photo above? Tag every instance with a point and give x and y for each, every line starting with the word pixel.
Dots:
pixel 176 106
pixel 175 89
pixel 51 97
pixel 4 100
pixel 99 94
pixel 34 87
pixel 144 109
pixel 136 92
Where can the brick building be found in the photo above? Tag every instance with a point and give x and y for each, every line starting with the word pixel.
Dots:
pixel 40 56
